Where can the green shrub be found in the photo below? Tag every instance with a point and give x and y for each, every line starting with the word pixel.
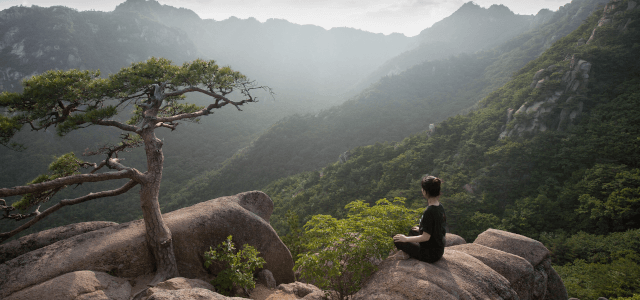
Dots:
pixel 241 266
pixel 293 239
pixel 342 254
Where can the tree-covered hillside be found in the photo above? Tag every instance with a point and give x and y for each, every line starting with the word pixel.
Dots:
pixel 554 154
pixel 558 152
pixel 392 109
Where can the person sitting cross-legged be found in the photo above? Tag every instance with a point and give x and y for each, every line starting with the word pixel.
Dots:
pixel 426 242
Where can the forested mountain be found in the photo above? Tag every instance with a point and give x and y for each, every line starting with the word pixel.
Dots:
pixel 554 148
pixel 473 28
pixel 553 154
pixel 468 30
pixel 36 39
pixel 392 109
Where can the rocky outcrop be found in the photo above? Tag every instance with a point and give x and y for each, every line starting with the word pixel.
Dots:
pixel 265 277
pixel 535 116
pixel 452 240
pixel 498 265
pixel 77 285
pixel 196 293
pixel 514 268
pixel 547 283
pixel 180 288
pixel 302 291
pixel 612 9
pixel 344 157
pixel 44 238
pixel 121 250
pixel 456 275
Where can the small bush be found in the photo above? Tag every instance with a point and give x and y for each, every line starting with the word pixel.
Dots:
pixel 241 264
pixel 342 254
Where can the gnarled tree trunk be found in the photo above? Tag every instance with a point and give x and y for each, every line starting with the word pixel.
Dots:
pixel 158 234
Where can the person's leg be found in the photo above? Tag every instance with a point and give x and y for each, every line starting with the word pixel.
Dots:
pixel 413 249
pixel 432 255
pixel 413 232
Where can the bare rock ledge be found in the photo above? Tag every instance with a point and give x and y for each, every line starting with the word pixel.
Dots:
pixel 121 250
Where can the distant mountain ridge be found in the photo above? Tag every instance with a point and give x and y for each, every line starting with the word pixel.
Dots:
pixel 469 29
pixel 37 39
pixel 317 66
pixel 390 110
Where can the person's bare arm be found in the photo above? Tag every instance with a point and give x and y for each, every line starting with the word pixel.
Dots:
pixel 416 239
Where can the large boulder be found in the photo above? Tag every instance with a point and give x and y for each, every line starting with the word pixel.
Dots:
pixel 531 250
pixel 80 285
pixel 514 268
pixel 302 291
pixel 498 265
pixel 122 249
pixel 456 275
pixel 195 293
pixel 15 248
pixel 453 239
pixel 181 288
pixel 547 283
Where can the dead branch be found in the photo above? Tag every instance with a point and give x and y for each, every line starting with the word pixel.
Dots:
pixel 69 180
pixel 167 125
pixel 128 142
pixel 15 216
pixel 40 215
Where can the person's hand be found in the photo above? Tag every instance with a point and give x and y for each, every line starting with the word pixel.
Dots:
pixel 400 238
pixel 416 228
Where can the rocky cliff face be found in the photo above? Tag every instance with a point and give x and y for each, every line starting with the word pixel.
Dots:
pixel 563 87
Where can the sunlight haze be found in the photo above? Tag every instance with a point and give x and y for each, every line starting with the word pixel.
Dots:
pixel 408 17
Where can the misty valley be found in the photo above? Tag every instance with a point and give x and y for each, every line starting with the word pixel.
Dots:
pixel 314 144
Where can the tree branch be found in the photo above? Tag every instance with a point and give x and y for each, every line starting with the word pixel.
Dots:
pixel 117 124
pixel 69 180
pixel 167 125
pixel 203 112
pixel 125 188
pixel 196 89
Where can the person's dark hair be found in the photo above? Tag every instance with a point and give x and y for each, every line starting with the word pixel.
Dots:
pixel 431 185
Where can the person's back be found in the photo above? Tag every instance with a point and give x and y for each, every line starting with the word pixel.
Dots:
pixel 435 225
pixel 426 242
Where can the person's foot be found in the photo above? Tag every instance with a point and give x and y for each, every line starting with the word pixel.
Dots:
pixel 400 255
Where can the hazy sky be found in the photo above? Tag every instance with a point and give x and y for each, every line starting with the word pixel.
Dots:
pixel 380 16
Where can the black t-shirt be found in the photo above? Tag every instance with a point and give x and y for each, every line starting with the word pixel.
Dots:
pixel 433 222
